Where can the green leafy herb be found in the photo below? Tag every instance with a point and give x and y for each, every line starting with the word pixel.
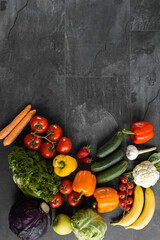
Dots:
pixel 33 174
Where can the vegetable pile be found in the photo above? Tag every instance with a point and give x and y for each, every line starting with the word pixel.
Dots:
pixel 33 174
pixel 40 167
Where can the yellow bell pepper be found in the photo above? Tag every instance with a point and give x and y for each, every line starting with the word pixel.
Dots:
pixel 64 165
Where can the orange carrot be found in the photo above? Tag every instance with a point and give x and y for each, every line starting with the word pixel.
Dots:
pixel 18 129
pixel 5 131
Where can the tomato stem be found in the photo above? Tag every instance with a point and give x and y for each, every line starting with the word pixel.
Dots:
pixel 124 212
pixel 33 143
pixel 38 126
pixel 44 137
pixel 50 133
pixel 62 187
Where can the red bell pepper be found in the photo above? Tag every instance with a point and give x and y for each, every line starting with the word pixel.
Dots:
pixel 140 132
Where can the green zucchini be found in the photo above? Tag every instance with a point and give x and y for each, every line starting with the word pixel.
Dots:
pixel 112 172
pixel 110 146
pixel 108 161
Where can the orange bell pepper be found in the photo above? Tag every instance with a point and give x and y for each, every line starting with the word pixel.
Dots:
pixel 140 132
pixel 107 199
pixel 84 183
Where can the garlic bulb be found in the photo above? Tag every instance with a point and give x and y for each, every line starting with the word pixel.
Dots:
pixel 132 152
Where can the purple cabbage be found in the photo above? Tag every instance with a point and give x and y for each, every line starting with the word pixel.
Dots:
pixel 30 219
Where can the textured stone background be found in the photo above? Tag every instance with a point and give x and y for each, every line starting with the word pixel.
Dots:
pixel 92 66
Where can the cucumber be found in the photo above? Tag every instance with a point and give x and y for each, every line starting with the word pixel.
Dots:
pixel 108 161
pixel 110 146
pixel 112 172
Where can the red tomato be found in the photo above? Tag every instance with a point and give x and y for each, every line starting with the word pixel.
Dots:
pixel 47 150
pixel 64 145
pixel 122 195
pixel 121 203
pixel 39 123
pixel 124 179
pixel 122 187
pixel 71 199
pixel 127 208
pixel 66 187
pixel 32 142
pixel 55 132
pixel 56 200
pixel 130 185
pixel 130 192
pixel 129 200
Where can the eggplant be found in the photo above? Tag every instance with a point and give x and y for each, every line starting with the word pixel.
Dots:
pixel 30 219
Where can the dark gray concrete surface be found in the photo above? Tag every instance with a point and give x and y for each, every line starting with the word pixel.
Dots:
pixel 91 66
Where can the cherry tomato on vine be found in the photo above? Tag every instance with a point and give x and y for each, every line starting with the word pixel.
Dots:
pixel 55 132
pixel 47 150
pixel 71 199
pixel 121 203
pixel 122 194
pixel 127 208
pixel 130 192
pixel 66 187
pixel 129 200
pixel 130 185
pixel 124 179
pixel 122 187
pixel 56 200
pixel 39 124
pixel 64 145
pixel 32 142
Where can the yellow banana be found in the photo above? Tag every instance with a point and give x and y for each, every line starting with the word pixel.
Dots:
pixel 147 212
pixel 135 211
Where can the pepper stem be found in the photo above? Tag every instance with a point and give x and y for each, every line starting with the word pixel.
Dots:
pixel 146 150
pixel 77 199
pixel 60 164
pixel 127 131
